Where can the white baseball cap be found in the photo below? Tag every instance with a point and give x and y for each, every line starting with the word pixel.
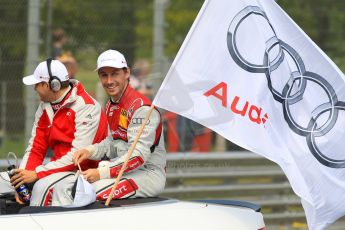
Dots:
pixel 111 58
pixel 41 73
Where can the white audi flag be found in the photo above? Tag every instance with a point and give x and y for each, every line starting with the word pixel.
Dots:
pixel 248 72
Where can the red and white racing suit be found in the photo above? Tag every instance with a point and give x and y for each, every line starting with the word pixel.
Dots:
pixel 145 174
pixel 74 123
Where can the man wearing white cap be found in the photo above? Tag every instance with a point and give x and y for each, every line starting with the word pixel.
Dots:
pixel 145 174
pixel 67 119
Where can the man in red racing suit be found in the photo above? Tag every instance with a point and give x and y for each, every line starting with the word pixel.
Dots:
pixel 126 109
pixel 67 119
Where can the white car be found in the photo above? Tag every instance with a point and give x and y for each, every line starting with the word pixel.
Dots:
pixel 131 214
pixel 134 214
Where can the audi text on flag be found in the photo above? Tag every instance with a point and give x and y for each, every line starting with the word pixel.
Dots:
pixel 248 72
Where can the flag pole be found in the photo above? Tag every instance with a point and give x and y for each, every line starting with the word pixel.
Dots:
pixel 129 154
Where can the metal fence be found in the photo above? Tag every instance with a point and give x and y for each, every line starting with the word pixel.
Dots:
pixel 239 175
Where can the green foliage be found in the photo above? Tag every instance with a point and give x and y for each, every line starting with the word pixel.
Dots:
pixel 13 24
pixel 94 25
pixel 14 144
pixel 89 79
pixel 144 29
pixel 324 22
pixel 179 18
pixel 13 14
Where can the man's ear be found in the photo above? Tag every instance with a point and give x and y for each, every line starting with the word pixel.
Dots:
pixel 46 84
pixel 43 83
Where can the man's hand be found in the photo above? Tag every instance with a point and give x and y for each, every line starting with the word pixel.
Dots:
pixel 23 176
pixel 91 175
pixel 80 156
pixel 18 200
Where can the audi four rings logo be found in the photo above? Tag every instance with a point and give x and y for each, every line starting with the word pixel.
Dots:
pixel 289 95
pixel 139 121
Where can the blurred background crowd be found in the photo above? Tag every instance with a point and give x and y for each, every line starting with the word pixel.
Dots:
pixel 148 32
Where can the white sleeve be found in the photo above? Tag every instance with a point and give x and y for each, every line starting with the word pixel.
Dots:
pixel 142 149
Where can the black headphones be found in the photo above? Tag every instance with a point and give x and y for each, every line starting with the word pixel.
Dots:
pixel 54 82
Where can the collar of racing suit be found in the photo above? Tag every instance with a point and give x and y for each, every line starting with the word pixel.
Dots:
pixel 60 99
pixel 77 88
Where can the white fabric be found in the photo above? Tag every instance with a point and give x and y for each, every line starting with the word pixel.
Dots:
pixel 111 58
pixel 85 193
pixel 220 79
pixel 146 182
pixel 103 169
pixel 41 73
pixel 41 192
pixel 5 185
